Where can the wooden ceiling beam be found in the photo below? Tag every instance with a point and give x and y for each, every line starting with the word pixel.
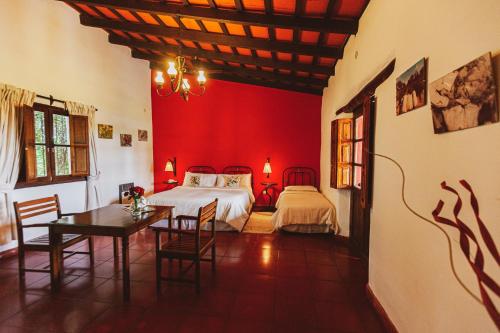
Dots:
pixel 192 52
pixel 335 25
pixel 238 79
pixel 220 39
pixel 238 71
pixel 268 4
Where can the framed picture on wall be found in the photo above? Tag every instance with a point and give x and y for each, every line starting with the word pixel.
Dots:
pixel 411 88
pixel 142 135
pixel 465 97
pixel 104 131
pixel 126 140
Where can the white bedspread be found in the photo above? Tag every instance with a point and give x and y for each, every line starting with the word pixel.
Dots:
pixel 304 208
pixel 233 207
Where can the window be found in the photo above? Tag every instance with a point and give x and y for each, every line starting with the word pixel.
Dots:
pixel 341 146
pixel 358 151
pixel 351 142
pixel 55 146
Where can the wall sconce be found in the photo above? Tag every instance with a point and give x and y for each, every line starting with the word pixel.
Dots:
pixel 267 167
pixel 171 166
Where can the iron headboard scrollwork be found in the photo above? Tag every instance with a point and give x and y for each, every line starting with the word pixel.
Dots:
pixel 299 176
pixel 201 169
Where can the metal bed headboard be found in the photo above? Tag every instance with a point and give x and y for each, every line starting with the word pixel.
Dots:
pixel 201 169
pixel 299 176
pixel 238 170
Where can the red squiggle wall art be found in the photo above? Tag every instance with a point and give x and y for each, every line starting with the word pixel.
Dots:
pixel 466 235
pixel 485 281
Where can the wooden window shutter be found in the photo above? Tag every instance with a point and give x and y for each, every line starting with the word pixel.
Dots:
pixel 333 154
pixel 79 145
pixel 368 126
pixel 29 143
pixel 341 149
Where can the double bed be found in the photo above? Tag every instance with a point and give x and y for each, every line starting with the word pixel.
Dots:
pixel 301 207
pixel 202 185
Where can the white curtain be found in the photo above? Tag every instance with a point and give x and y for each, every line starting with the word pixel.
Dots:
pixel 93 195
pixel 12 100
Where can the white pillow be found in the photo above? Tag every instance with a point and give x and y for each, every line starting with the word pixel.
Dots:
pixel 199 179
pixel 232 180
pixel 245 180
pixel 302 188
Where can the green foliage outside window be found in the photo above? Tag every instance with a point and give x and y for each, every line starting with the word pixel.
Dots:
pixel 60 131
pixel 40 149
pixel 61 138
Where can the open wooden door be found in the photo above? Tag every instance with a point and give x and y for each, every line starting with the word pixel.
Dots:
pixel 362 173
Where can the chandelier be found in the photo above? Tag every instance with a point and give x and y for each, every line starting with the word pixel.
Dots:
pixel 178 83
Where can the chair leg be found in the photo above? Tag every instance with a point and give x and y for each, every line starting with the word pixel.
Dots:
pixel 214 257
pixel 197 278
pixel 158 274
pixel 91 250
pixel 22 273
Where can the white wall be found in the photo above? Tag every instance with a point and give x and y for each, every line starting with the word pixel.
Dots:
pixel 45 49
pixel 409 270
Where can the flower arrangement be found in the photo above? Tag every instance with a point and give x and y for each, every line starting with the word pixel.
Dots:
pixel 135 193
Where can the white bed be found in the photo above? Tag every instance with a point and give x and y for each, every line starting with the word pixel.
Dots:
pixel 233 209
pixel 301 208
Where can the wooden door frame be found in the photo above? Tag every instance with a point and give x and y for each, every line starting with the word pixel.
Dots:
pixel 367 171
pixel 368 91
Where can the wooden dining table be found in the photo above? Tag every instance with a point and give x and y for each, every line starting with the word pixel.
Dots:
pixel 113 220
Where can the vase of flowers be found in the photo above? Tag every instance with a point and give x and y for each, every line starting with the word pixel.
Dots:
pixel 136 193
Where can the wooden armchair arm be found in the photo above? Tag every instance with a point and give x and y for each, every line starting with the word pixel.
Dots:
pixel 160 226
pixel 36 225
pixel 186 217
pixel 172 230
pixel 162 229
pixel 68 214
pixel 163 226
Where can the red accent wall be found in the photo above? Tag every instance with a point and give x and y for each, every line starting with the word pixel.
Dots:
pixel 236 124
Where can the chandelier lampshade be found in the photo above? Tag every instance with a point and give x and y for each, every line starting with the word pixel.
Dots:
pixel 178 82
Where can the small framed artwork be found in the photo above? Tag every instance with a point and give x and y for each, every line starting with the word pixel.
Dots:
pixel 104 131
pixel 465 98
pixel 142 135
pixel 411 88
pixel 126 140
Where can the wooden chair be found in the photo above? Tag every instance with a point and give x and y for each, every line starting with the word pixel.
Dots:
pixel 123 190
pixel 189 245
pixel 28 209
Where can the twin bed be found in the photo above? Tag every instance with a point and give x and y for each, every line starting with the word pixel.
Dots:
pixel 300 207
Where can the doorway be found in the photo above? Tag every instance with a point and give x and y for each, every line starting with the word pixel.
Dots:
pixel 362 174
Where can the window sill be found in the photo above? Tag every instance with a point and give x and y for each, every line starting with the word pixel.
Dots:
pixel 22 184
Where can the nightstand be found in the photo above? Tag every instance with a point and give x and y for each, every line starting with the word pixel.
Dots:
pixel 267 187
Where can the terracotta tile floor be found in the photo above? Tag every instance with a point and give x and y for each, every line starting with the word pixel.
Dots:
pixel 264 283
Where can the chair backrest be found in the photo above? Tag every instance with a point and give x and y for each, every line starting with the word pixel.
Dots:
pixel 123 190
pixel 207 214
pixel 32 208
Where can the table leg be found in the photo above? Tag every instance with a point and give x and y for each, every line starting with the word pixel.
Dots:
pixel 158 262
pixel 116 252
pixel 55 259
pixel 125 269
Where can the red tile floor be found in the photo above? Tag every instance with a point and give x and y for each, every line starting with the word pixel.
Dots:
pixel 264 283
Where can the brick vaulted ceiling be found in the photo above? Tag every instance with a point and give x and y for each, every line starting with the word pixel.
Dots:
pixel 286 44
